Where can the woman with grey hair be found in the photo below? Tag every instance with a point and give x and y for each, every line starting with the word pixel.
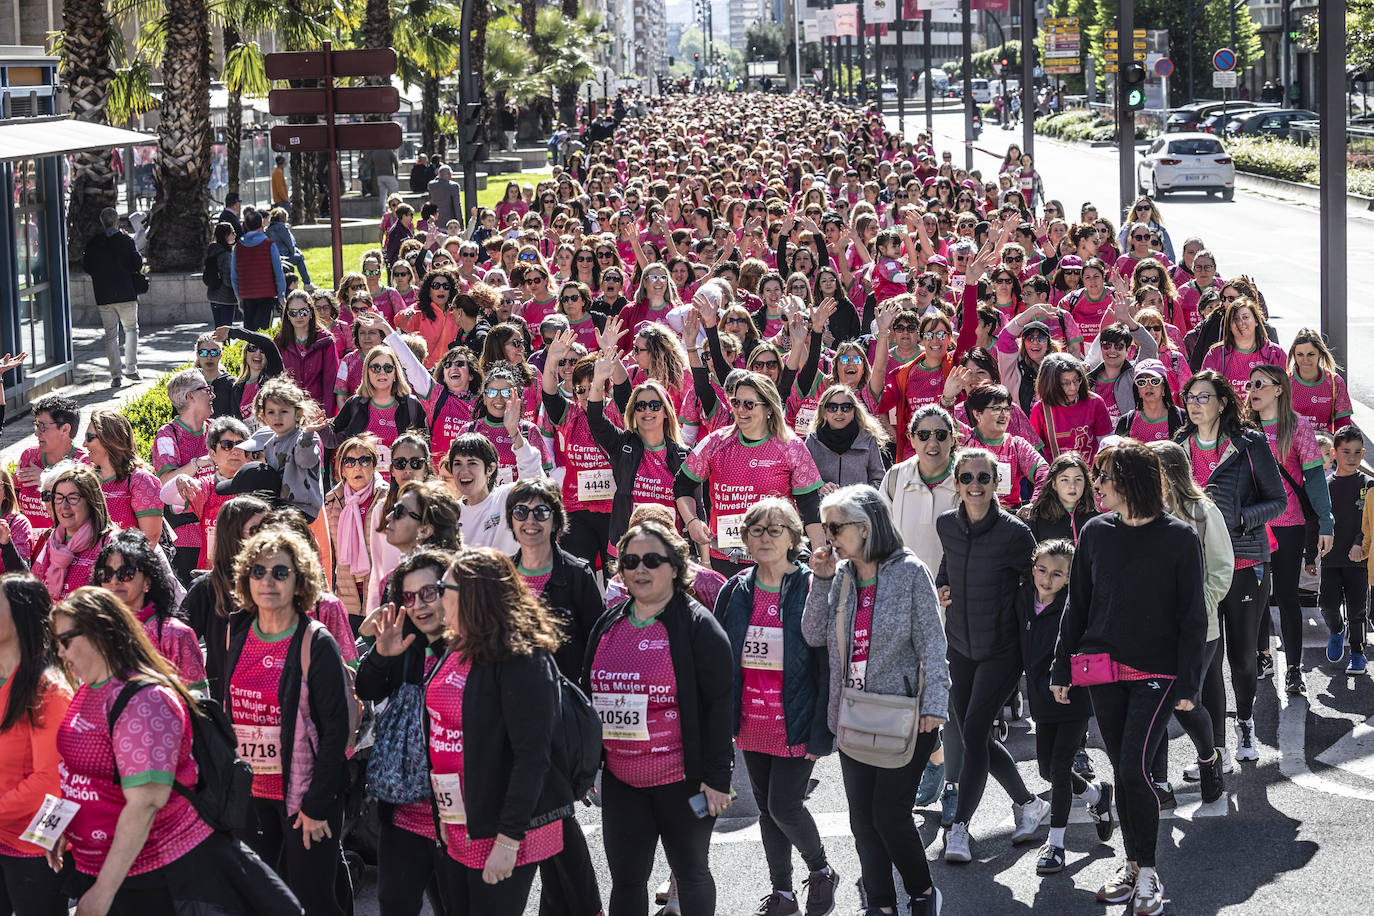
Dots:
pixel 895 647
pixel 179 448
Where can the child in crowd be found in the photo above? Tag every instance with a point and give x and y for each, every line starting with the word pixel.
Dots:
pixel 1345 573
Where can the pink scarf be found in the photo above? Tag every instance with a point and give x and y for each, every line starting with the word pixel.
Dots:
pixel 353 552
pixel 61 556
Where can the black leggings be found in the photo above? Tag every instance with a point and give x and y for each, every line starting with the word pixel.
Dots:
pixel 1055 745
pixel 309 872
pixel 885 834
pixel 1348 584
pixel 588 537
pixel 779 785
pixel 633 821
pixel 1133 717
pixel 568 880
pixel 466 894
pixel 257 313
pixel 978 691
pixel 28 887
pixel 1239 614
pixel 1197 724
pixel 406 865
pixel 1285 565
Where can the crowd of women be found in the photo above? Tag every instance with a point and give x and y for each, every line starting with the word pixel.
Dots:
pixel 758 423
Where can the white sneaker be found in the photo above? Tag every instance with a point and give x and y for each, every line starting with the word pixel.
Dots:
pixel 1228 764
pixel 1148 898
pixel 1028 818
pixel 1245 740
pixel 957 844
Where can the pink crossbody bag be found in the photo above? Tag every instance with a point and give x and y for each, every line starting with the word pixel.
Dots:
pixel 1087 670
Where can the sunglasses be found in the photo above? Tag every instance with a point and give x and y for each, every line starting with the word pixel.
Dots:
pixel 399 510
pixel 281 572
pixel 929 286
pixel 529 257
pixel 500 392
pixel 227 445
pixel 631 561
pixel 1102 476
pixel 541 512
pixel 935 335
pixel 207 353
pixel 642 406
pixel 840 407
pixel 444 286
pixel 940 434
pixel 124 573
pixel 1036 337
pixel 834 528
pixel 1139 238
pixel 384 368
pixel 1113 345
pixel 65 638
pixel 1000 280
pixel 531 281
pixel 355 461
pixel 584 259
pixel 298 313
pixel 415 464
pixel 968 477
pixel 744 403
pixel 427 594
pixel 250 348
pixel 906 327
pixel 373 273
pixel 763 365
pixel 564 300
pixel 605 255
pixel 1148 381
pixel 1261 384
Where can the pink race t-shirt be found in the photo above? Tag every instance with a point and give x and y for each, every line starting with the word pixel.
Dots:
pixel 589 483
pixel 857 675
pixel 1077 427
pixel 1237 364
pixel 1303 454
pixel 137 496
pixel 1090 314
pixel 446 422
pixel 634 689
pixel 31 495
pixel 762 726
pixel 1326 402
pixel 495 430
pixel 889 279
pixel 177 643
pixel 151 744
pixel 381 422
pixel 1145 430
pixel 1205 460
pixel 254 700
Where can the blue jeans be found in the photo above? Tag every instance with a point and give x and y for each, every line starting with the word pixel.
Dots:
pixel 298 260
pixel 222 313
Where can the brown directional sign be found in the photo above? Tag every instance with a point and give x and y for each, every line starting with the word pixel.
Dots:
pixel 306 65
pixel 313 138
pixel 347 101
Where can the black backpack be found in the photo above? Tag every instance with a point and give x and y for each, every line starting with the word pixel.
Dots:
pixel 222 795
pixel 211 276
pixel 579 736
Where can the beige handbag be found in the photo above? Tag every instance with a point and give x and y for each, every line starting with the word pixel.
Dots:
pixel 873 728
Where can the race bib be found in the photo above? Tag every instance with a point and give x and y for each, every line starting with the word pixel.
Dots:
pixel 857 672
pixel 1004 478
pixel 763 648
pixel 805 417
pixel 260 747
pixel 505 474
pixel 448 797
pixel 593 486
pixel 623 715
pixel 383 457
pixel 210 539
pixel 51 820
pixel 730 532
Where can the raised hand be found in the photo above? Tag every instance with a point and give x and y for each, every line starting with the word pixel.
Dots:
pixel 221 334
pixel 820 315
pixel 392 639
pixel 8 361
pixel 609 337
pixel 559 347
pixel 887 313
pixel 376 321
pixel 606 361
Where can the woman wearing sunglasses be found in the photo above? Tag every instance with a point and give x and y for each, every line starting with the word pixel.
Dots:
pixel 1111 374
pixel 1021 469
pixel 354 510
pixel 383 406
pixel 419 514
pixel 1143 211
pixel 130 569
pixel 308 352
pixel 847 442
pixel 384 298
pixel 575 302
pixel 655 298
pixel 197 494
pixel 500 410
pixel 987 555
pixel 261 361
pixel 296 746
pixel 1135 597
pixel 1154 417
pixel 666 714
pixel 884 597
pixel 209 360
pixel 326 309
pixel 541 290
pixel 430 316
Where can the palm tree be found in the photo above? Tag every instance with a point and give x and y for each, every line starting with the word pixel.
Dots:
pixel 87 70
pixel 425 34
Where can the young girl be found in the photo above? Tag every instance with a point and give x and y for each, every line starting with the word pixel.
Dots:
pixel 1066 505
pixel 1059 727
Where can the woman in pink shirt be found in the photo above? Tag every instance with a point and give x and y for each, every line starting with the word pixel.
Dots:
pixel 81 528
pixel 1067 414
pixel 1244 345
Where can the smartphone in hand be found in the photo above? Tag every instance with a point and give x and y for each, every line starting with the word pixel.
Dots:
pixel 698 803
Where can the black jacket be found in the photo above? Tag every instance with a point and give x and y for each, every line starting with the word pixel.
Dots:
pixel 572 594
pixel 112 260
pixel 701 665
pixel 1068 527
pixel 352 419
pixel 1248 489
pixel 984 565
pixel 1039 632
pixel 199 609
pixel 229 216
pixel 227 392
pixel 328 710
pixel 514 779
pixel 805 670
pixel 625 451
pixel 223 256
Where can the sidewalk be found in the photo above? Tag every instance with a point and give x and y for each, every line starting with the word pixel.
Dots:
pixel 160 350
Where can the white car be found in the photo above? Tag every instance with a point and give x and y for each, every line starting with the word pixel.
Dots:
pixel 982 92
pixel 1186 162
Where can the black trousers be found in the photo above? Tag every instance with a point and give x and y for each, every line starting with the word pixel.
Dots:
pixel 1348 584
pixel 633 821
pixel 588 537
pixel 1055 745
pixel 1239 612
pixel 779 785
pixel 222 313
pixel 258 313
pixel 466 894
pixel 1133 717
pixel 978 691
pixel 310 873
pixel 406 864
pixel 1285 567
pixel 1197 724
pixel 568 880
pixel 28 887
pixel 885 834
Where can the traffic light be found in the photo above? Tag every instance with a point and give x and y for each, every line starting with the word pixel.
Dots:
pixel 1005 61
pixel 1133 84
pixel 471 147
pixel 696 56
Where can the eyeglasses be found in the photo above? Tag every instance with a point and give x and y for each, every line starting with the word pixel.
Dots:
pixel 458 364
pixel 840 407
pixel 744 403
pixel 355 461
pixel 758 531
pixel 631 561
pixel 208 354
pixel 834 528
pixel 564 300
pixel 1102 476
pixel 940 434
pixel 1263 383
pixel 124 573
pixel 654 405
pixel 384 368
pixel 935 335
pixel 1013 259
pixel 65 638
pixel 298 313
pixel 763 365
pixel 399 510
pixel 998 408
pixel 281 572
pixel 849 359
pixel 541 512
pixel 531 281
pixel 40 427
pixel 500 392
pixel 968 477
pixel 1148 381
pixel 1201 398
pixel 228 445
pixel 584 259
pixel 427 594
pixel 443 285
pixel 1149 278
pixel 415 463
pixel 906 327
pixel 1231 298
pixel 67 499
pixel 1140 238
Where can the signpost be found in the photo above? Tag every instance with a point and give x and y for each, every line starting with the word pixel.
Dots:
pixel 1137 49
pixel 1063 45
pixel 327 100
pixel 1224 60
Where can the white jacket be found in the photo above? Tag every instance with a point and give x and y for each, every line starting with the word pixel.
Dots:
pixel 915 506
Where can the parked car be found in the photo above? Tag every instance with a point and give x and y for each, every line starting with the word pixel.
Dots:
pixel 1186 162
pixel 1267 122
pixel 1187 117
pixel 982 92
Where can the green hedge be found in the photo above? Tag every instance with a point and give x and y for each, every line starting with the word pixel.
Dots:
pixel 152 410
pixel 1275 157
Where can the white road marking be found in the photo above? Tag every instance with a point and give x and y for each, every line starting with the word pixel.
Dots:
pixel 1292 735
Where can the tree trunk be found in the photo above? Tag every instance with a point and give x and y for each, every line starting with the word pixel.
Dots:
pixel 429 116
pixel 233 121
pixel 481 18
pixel 177 226
pixel 376 33
pixel 528 14
pixel 86 70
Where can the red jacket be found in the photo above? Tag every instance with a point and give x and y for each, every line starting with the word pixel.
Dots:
pixel 314 368
pixel 253 267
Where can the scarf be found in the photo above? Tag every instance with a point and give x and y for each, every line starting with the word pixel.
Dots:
pixel 63 553
pixel 353 551
pixel 839 440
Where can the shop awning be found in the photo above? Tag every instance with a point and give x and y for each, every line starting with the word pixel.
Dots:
pixel 28 138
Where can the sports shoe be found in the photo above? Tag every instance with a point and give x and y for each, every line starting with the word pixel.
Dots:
pixel 1120 886
pixel 1028 818
pixel 1213 783
pixel 1357 663
pixel 1294 683
pixel 932 780
pixel 116 382
pixel 134 375
pixel 1245 740
pixel 671 906
pixel 1228 765
pixel 1148 899
pixel 1101 812
pixel 1264 666
pixel 928 905
pixel 1335 646
pixel 820 891
pixel 957 844
pixel 775 904
pixel 1165 792
pixel 1050 861
pixel 1083 765
pixel 949 804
